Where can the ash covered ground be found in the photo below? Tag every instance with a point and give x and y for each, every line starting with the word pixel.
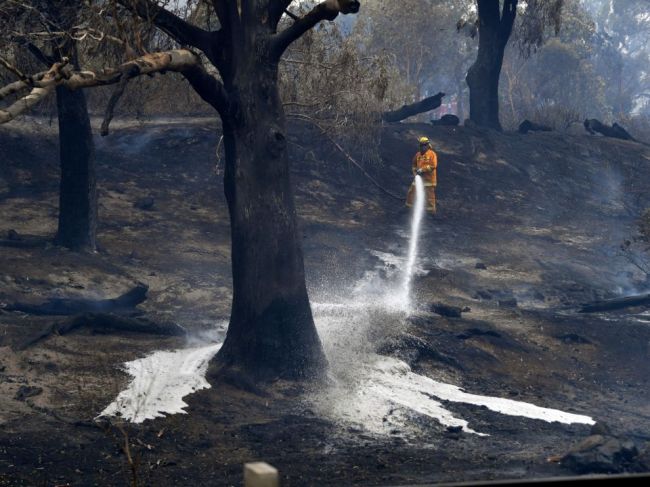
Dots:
pixel 528 228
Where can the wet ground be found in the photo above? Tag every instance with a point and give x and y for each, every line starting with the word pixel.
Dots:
pixel 535 211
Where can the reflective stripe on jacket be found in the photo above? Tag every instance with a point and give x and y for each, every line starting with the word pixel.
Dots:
pixel 428 163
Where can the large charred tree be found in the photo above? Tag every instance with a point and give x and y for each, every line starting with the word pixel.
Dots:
pixel 271 331
pixel 495 27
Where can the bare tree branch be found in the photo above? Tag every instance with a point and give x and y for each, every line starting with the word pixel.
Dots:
pixel 508 19
pixel 36 95
pixel 15 87
pixel 12 68
pixel 291 14
pixel 62 75
pixel 209 88
pixel 40 55
pixel 112 103
pixel 327 10
pixel 277 8
pixel 24 104
pixel 182 31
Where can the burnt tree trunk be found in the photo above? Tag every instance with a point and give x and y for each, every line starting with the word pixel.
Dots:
pixel 271 331
pixel 77 223
pixel 495 27
pixel 78 192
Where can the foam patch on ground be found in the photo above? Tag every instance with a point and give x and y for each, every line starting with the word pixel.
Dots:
pixel 386 394
pixel 160 382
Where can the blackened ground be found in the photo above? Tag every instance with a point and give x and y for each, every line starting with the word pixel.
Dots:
pixel 543 213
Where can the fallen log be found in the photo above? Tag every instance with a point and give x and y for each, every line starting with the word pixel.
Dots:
pixel 528 126
pixel 16 240
pixel 616 303
pixel 593 125
pixel 425 105
pixel 447 310
pixel 448 120
pixel 104 323
pixel 65 307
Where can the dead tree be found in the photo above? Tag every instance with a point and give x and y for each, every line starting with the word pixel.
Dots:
pixel 77 218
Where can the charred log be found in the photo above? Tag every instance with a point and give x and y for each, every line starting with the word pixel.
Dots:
pixel 65 307
pixel 617 303
pixel 528 126
pixel 102 324
pixel 422 106
pixel 448 120
pixel 16 240
pixel 448 310
pixel 615 131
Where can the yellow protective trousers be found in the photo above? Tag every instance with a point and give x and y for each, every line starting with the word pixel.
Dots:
pixel 431 197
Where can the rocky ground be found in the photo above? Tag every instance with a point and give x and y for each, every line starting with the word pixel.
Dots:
pixel 529 227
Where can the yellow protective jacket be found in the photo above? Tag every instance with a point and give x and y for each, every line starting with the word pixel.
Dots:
pixel 428 163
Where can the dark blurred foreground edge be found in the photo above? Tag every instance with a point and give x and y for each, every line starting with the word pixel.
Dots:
pixel 632 479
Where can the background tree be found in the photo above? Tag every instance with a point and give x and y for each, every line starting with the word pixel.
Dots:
pixel 495 25
pixel 554 82
pixel 621 47
pixel 45 29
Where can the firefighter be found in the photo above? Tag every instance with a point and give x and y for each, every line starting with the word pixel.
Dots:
pixel 425 164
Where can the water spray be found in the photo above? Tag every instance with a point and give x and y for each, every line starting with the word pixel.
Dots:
pixel 416 222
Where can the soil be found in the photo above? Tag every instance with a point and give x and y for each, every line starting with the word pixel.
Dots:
pixel 544 214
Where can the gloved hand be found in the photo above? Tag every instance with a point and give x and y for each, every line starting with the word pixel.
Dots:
pixel 419 172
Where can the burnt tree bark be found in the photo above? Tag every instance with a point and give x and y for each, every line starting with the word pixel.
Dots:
pixel 271 331
pixel 495 27
pixel 78 189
